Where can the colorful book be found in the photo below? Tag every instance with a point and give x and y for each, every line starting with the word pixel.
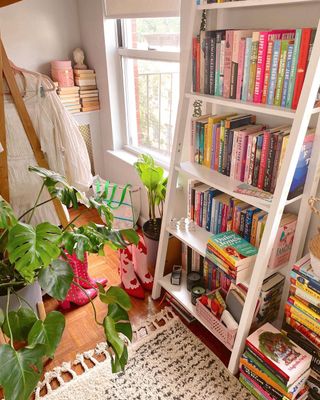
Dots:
pixel 293 70
pixel 281 71
pixel 246 69
pixel 274 71
pixel 253 65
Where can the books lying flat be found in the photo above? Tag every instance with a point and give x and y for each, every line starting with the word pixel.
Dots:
pixel 285 357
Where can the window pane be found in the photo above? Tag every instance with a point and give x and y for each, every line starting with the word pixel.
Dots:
pixel 152 33
pixel 152 95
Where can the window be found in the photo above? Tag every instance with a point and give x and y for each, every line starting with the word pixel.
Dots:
pixel 149 51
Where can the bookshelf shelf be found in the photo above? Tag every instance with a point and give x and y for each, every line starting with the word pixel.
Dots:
pixel 181 294
pixel 249 107
pixel 197 239
pixel 250 3
pixel 223 183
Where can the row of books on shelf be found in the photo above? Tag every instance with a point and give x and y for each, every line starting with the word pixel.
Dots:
pixel 302 316
pixel 84 96
pixel 266 67
pixel 275 367
pixel 218 212
pixel 200 2
pixel 235 146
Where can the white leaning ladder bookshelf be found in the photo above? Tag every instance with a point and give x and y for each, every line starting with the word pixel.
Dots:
pixel 300 120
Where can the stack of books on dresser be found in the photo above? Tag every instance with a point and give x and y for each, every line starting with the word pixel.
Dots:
pixel 273 366
pixel 302 314
pixel 89 94
pixel 69 97
pixel 264 67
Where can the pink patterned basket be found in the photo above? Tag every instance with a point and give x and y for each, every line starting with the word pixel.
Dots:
pixel 225 335
pixel 62 72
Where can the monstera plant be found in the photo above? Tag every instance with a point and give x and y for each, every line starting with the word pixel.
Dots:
pixel 31 253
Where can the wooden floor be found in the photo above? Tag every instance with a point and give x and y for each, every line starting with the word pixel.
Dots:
pixel 83 334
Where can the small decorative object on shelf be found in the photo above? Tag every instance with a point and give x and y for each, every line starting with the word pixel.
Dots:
pixel 193 279
pixel 78 57
pixel 61 72
pixel 314 244
pixel 176 275
pixel 197 292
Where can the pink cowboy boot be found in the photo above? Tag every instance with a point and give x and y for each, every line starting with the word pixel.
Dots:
pixel 76 296
pixel 128 277
pixel 82 272
pixel 139 254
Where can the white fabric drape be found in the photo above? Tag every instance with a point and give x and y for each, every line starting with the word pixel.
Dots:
pixel 141 8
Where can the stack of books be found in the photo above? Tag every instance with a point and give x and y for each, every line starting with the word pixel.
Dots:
pixel 270 298
pixel 69 97
pixel 89 94
pixel 273 366
pixel 302 314
pixel 217 213
pixel 235 146
pixel 231 254
pixel 199 2
pixel 266 67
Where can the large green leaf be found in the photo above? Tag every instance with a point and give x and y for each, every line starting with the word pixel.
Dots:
pixel 2 317
pixel 121 319
pixel 56 279
pixel 76 242
pixel 31 247
pixel 7 217
pixel 20 371
pixel 115 295
pixel 48 332
pixel 130 235
pixel 112 336
pixel 21 322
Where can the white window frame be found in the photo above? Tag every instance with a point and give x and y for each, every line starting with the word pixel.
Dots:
pixel 152 55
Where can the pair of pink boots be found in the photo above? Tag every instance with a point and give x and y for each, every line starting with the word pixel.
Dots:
pixel 134 273
pixel 81 277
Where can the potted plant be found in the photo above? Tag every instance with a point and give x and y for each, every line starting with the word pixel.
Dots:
pixel 30 254
pixel 153 178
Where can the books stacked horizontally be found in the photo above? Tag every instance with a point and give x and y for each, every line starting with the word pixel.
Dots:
pixel 274 367
pixel 235 146
pixel 231 254
pixel 89 94
pixel 265 67
pixel 199 2
pixel 302 314
pixel 270 298
pixel 69 97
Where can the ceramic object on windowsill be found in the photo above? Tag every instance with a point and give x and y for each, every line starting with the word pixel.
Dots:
pixel 314 248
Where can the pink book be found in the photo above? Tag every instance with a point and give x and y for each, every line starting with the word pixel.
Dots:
pixel 264 40
pixel 233 155
pixel 248 158
pixel 242 49
pixel 227 64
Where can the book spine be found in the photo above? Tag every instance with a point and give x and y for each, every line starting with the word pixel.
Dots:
pixel 197 143
pixel 254 230
pixel 307 333
pixel 242 222
pixel 287 75
pixel 209 208
pixel 270 161
pixel 225 152
pixel 193 139
pixel 311 283
pixel 304 287
pixel 234 64
pixel 260 389
pixel 252 160
pixel 263 158
pixel 217 149
pixel 246 69
pixel 240 144
pixel 301 294
pixel 222 144
pixel 248 225
pixel 242 49
pixel 212 63
pixel 293 70
pixel 248 156
pixel 230 148
pixel 250 388
pixel 217 66
pixel 253 69
pixel 267 72
pixel 281 72
pixel 293 312
pixel 204 209
pixel 221 72
pixel 227 64
pixel 256 168
pixel 194 64
pixel 207 56
pixel 219 220
pixel 274 71
pixel 261 64
pixel 243 157
pixel 302 65
pixel 303 307
pixel 213 145
pixel 276 164
pixel 202 59
pixel 201 143
pixel 198 54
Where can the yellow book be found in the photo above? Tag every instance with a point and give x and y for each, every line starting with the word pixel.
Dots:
pixel 207 146
pixel 305 288
pixel 304 308
pixel 302 318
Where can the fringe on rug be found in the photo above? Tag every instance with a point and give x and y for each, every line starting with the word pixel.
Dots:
pixel 150 328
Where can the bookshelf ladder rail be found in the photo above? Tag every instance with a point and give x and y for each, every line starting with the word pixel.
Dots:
pixel 184 110
pixel 298 130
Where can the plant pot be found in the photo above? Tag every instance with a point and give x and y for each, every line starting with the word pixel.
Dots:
pixel 151 232
pixel 31 293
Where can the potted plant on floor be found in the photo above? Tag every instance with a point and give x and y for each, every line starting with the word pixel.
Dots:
pixel 30 254
pixel 153 178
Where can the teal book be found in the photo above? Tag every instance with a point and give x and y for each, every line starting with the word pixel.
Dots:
pixel 293 70
pixel 233 248
pixel 201 144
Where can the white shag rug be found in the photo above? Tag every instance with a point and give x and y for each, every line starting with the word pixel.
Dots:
pixel 168 363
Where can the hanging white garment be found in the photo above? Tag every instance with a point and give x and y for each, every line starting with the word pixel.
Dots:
pixel 60 140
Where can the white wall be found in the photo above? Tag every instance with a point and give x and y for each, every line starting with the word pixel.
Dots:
pixel 35 32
